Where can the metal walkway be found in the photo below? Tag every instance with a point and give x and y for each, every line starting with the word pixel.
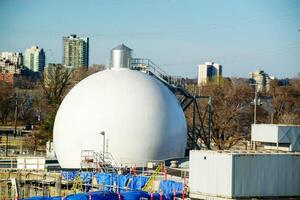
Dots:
pixel 102 161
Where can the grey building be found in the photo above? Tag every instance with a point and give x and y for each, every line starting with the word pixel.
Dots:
pixel 75 51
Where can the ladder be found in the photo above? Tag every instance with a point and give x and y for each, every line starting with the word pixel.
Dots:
pixel 109 164
pixel 77 185
pixel 149 183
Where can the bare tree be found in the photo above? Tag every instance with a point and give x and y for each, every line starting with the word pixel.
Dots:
pixel 55 82
pixel 286 101
pixel 6 101
pixel 231 112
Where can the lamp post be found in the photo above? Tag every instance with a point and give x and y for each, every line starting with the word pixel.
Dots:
pixel 103 145
pixel 254 117
pixel 255 102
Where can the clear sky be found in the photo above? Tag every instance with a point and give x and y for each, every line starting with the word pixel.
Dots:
pixel 175 34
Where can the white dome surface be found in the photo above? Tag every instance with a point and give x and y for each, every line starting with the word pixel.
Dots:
pixel 140 116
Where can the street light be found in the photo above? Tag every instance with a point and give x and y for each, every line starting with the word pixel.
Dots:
pixel 255 100
pixel 255 104
pixel 103 133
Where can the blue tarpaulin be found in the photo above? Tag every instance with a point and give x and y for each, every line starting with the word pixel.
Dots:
pixel 43 198
pixel 86 178
pixel 134 195
pixel 156 196
pixel 134 183
pixel 38 198
pixel 168 186
pixel 100 195
pixel 137 182
pixel 105 180
pixel 69 175
pixel 122 180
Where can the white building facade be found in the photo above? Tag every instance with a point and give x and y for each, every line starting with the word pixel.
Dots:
pixel 260 79
pixel 35 59
pixel 209 71
pixel 14 57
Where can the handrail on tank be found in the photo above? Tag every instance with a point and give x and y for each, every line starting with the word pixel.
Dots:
pixel 145 63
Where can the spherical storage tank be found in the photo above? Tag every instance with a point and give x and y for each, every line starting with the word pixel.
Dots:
pixel 141 118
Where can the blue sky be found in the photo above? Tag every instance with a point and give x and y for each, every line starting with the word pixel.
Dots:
pixel 175 34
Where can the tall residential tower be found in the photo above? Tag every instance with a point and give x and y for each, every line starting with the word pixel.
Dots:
pixel 14 57
pixel 75 51
pixel 260 79
pixel 35 59
pixel 209 71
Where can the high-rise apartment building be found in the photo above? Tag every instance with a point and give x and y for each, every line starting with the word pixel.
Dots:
pixel 260 79
pixel 14 57
pixel 209 71
pixel 7 66
pixel 35 59
pixel 75 51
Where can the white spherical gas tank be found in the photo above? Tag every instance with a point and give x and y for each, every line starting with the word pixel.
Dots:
pixel 140 116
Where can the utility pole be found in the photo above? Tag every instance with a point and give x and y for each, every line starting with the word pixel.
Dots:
pixel 6 144
pixel 209 122
pixel 254 117
pixel 194 119
pixel 16 115
pixel 255 103
pixel 103 145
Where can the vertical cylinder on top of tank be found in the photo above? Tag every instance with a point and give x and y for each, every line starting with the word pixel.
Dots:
pixel 121 56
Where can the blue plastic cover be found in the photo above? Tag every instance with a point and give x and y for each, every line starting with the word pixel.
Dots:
pixel 38 198
pixel 43 198
pixel 137 182
pixel 99 195
pixel 168 186
pixel 134 195
pixel 121 182
pixel 105 179
pixel 69 175
pixel 156 196
pixel 56 198
pixel 86 178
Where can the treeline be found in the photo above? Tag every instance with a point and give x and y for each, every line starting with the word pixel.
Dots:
pixel 36 102
pixel 233 109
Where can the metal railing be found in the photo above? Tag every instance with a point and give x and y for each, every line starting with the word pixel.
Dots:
pixel 103 161
pixel 147 66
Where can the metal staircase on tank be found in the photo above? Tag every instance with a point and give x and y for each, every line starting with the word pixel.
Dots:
pixel 175 84
pixel 103 161
pixel 178 86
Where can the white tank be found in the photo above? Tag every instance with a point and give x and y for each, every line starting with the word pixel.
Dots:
pixel 141 118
